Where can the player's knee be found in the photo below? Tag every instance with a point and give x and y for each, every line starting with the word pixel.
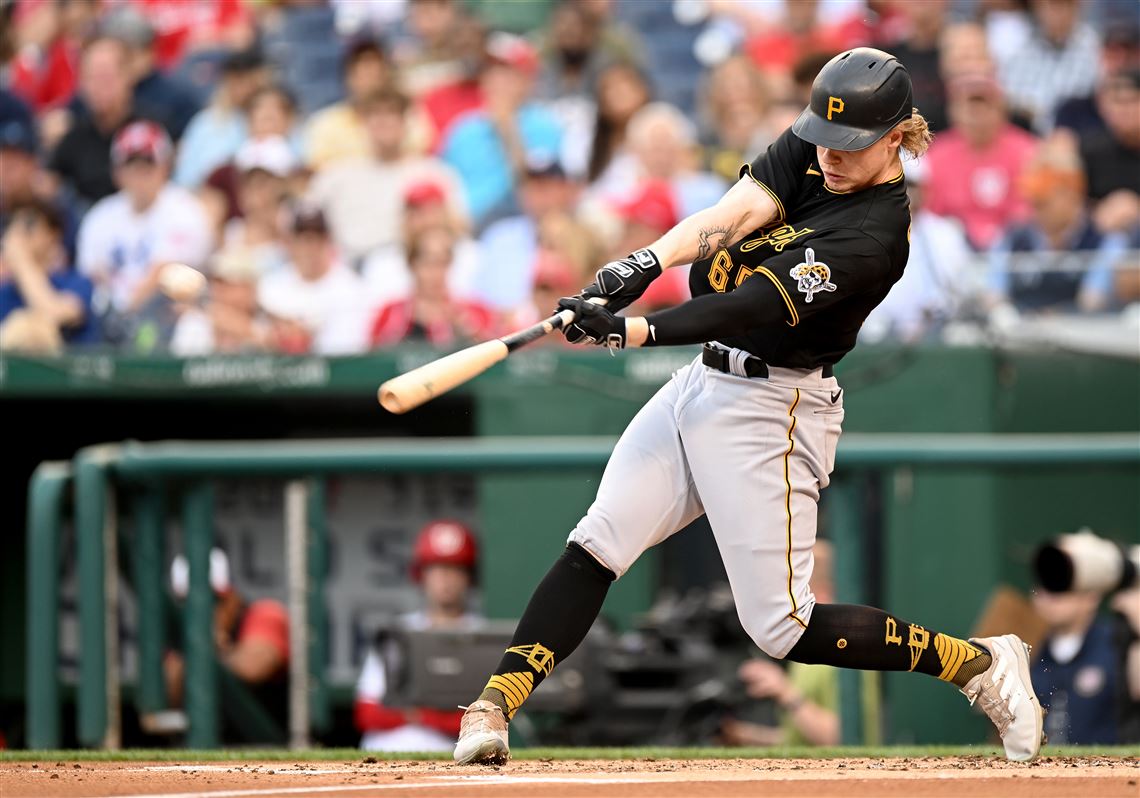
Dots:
pixel 601 556
pixel 766 635
pixel 581 558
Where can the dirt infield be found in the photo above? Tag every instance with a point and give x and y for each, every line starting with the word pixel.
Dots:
pixel 930 777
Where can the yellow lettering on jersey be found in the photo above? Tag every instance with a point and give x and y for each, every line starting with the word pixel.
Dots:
pixel 743 275
pixel 718 271
pixel 778 238
pixel 834 104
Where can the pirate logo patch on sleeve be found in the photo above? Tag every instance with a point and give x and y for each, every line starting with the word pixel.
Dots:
pixel 812 277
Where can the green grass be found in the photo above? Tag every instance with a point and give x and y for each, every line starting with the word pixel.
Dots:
pixel 352 754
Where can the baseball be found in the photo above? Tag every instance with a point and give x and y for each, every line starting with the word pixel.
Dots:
pixel 180 282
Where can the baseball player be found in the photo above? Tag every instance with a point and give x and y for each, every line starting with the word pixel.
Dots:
pixel 786 266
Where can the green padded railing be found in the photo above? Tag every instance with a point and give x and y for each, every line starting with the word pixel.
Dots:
pixel 149 468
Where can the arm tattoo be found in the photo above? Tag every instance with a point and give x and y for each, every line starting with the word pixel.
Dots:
pixel 712 238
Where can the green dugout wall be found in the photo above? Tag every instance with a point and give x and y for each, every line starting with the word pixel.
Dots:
pixel 948 537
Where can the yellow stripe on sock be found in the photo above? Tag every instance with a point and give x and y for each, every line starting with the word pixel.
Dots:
pixel 524 682
pixel 953 654
pixel 515 687
pixel 514 698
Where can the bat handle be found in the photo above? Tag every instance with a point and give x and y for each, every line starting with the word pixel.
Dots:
pixel 545 327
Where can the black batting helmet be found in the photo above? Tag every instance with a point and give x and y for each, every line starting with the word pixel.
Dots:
pixel 856 99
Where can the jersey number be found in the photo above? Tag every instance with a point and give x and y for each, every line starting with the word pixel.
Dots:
pixel 719 271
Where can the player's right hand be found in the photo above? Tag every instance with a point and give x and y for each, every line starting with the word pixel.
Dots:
pixel 622 282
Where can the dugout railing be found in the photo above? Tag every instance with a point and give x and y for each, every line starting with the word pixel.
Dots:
pixel 150 475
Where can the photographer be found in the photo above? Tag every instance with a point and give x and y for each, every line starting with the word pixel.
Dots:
pixel 1087 673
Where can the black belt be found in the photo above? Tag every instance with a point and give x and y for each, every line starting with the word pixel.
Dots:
pixel 753 366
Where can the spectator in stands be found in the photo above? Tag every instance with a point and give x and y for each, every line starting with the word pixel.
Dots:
pixel 18 166
pixel 22 179
pixel 35 276
pixel 508 247
pixel 316 302
pixel 736 102
pixel 218 130
pixel 918 52
pixel 430 314
pixel 444 565
pixel 576 47
pixel 46 67
pixel 937 276
pixel 83 156
pixel 182 28
pixel 652 211
pixel 229 320
pixel 126 238
pixel 561 231
pixel 1006 26
pixel 361 197
pixel 775 41
pixel 622 90
pixel 272 114
pixel 1058 61
pixel 571 58
pixel 264 168
pixel 1119 55
pixel 976 165
pixel 489 147
pixel 1069 264
pixel 1112 156
pixel 440 107
pixel 663 141
pixel 807 696
pixel 554 277
pixel 156 95
pixel 1085 672
pixel 338 132
pixel 428 58
pixel 964 50
pixel 252 646
pixel 386 271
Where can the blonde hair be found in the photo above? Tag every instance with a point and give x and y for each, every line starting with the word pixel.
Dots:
pixel 916 134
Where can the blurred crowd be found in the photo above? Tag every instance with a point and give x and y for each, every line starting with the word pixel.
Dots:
pixel 353 174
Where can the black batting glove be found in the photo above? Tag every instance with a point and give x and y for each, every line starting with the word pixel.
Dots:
pixel 622 282
pixel 593 323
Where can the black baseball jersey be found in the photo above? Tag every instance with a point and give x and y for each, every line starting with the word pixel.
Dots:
pixel 830 256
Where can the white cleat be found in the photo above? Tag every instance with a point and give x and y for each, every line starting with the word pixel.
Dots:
pixel 1007 696
pixel 482 736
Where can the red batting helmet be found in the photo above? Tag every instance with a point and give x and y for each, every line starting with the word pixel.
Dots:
pixel 443 543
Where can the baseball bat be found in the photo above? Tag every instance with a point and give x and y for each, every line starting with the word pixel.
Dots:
pixel 409 391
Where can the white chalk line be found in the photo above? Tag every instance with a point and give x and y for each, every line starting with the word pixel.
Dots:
pixel 439 782
pixel 241 768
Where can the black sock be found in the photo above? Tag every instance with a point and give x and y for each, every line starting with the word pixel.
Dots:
pixel 865 638
pixel 556 620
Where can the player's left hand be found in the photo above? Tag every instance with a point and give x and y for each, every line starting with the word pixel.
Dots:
pixel 593 324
